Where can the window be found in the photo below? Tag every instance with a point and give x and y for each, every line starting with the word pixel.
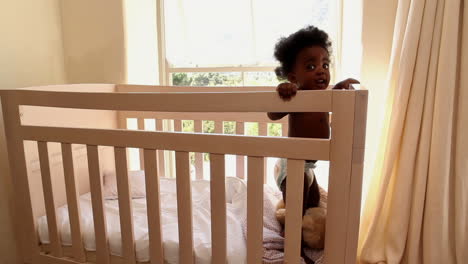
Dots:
pixel 230 43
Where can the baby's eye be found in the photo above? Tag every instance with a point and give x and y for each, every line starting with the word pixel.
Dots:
pixel 326 66
pixel 310 67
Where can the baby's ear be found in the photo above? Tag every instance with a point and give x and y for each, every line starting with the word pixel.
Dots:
pixel 292 77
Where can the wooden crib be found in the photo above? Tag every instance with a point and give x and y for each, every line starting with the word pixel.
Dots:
pixel 85 121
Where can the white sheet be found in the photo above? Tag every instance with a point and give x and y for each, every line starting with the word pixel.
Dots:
pixel 236 214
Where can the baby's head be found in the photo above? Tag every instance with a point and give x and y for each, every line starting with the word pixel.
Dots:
pixel 304 58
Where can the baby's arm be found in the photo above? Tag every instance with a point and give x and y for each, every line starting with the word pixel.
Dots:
pixel 276 116
pixel 286 91
pixel 346 84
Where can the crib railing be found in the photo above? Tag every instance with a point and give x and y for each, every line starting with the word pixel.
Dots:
pixel 345 150
pixel 177 118
pixel 240 120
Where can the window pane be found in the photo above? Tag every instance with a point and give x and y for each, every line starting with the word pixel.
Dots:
pixel 207 79
pixel 260 79
pixel 274 130
pixel 214 33
pixel 208 32
pixel 274 19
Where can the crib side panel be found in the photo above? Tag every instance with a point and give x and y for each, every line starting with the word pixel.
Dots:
pixel 46 116
pixel 346 147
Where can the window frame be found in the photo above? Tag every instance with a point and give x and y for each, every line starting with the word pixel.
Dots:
pixel 165 70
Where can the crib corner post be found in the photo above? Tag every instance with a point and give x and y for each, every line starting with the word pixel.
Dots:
pixel 341 145
pixel 23 216
pixel 357 166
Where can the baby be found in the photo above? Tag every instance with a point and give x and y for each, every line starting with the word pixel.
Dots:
pixel 304 58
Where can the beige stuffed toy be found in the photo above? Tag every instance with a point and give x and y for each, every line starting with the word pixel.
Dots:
pixel 313 224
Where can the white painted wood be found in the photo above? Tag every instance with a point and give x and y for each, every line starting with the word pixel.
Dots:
pixel 90 256
pixel 48 259
pixel 25 228
pixel 218 209
pixel 160 28
pixel 198 127
pixel 284 129
pixel 95 181
pixel 47 187
pixel 254 209
pixel 305 101
pixel 295 148
pixel 184 208
pixel 153 207
pixel 294 195
pixel 263 131
pixel 218 127
pixel 360 118
pixel 71 185
pixel 161 165
pixel 141 126
pixel 240 160
pixel 178 89
pixel 125 206
pixel 178 125
pixel 340 176
pixel 217 116
pixel 346 146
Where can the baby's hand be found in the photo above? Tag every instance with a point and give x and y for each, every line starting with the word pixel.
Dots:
pixel 346 84
pixel 286 90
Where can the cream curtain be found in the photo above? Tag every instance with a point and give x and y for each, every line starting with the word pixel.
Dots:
pixel 417 207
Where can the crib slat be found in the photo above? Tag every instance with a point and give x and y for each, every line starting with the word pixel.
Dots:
pixel 161 166
pixel 218 127
pixel 184 208
pixel 263 131
pixel 240 160
pixel 153 207
pixel 284 130
pixel 177 125
pixel 125 205
pixel 141 126
pixel 294 196
pixel 95 182
pixel 54 234
pixel 254 209
pixel 198 155
pixel 72 201
pixel 218 209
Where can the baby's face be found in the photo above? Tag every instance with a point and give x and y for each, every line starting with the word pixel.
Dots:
pixel 312 69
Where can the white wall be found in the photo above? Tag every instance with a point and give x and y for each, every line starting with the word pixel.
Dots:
pixel 31 53
pixel 94 41
pixel 54 42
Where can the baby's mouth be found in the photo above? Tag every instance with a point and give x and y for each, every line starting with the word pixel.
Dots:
pixel 322 83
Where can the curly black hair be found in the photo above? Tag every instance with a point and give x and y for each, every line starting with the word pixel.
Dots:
pixel 287 48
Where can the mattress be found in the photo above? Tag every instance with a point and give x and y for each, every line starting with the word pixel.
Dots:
pixel 236 193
